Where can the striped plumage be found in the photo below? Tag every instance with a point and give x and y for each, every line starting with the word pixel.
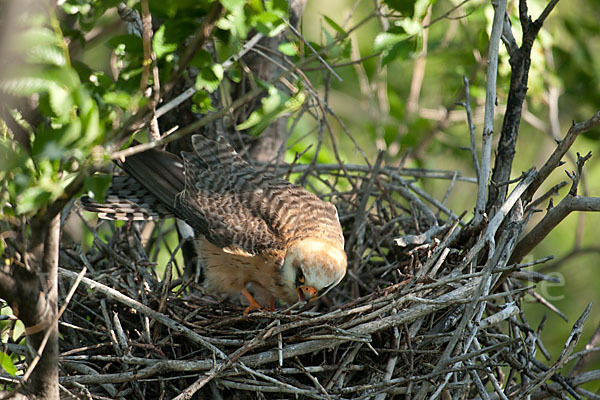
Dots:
pixel 255 228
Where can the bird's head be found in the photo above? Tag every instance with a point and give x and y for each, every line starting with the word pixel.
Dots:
pixel 312 267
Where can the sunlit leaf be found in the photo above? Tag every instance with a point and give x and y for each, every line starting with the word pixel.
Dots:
pixel 25 86
pixel 119 98
pixel 46 54
pixel 209 78
pixel 273 106
pixel 267 23
pixel 60 101
pixel 32 199
pixel 233 5
pixel 386 40
pixel 202 103
pixel 7 364
pixel 288 48
pixel 160 45
pixel 38 36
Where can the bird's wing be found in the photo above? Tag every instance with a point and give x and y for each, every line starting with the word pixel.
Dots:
pixel 235 206
pixel 241 209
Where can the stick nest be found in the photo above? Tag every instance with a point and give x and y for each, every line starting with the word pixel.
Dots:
pixel 423 311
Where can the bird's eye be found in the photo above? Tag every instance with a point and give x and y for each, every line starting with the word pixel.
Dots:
pixel 300 276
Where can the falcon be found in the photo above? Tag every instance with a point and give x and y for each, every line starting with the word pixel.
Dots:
pixel 254 229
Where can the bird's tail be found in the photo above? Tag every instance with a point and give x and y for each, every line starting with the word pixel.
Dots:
pixel 154 179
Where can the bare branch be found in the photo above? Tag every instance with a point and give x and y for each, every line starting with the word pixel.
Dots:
pixel 552 218
pixel 564 145
pixel 472 148
pixel 490 101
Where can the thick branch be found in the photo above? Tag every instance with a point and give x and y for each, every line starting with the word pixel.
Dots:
pixel 520 62
pixel 33 293
pixel 44 379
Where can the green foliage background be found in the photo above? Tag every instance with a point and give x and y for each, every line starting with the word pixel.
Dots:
pixel 59 59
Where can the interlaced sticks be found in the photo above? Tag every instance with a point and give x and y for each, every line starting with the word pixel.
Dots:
pixel 345 345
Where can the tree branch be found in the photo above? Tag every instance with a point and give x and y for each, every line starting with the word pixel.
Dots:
pixel 44 378
pixel 564 145
pixel 552 218
pixel 33 295
pixel 520 61
pixel 490 101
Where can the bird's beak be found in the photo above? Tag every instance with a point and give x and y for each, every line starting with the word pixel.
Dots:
pixel 306 293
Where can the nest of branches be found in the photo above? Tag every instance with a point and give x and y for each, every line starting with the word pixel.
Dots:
pixel 424 311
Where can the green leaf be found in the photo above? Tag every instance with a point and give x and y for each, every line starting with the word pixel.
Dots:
pixel 334 25
pixel 46 55
pixel 131 44
pixel 202 103
pixel 7 364
pixel 60 101
pixel 32 199
pixel 235 20
pixel 76 8
pixel 97 185
pixel 39 36
pixel 386 40
pixel 202 59
pixel 209 78
pixel 10 158
pixel 25 86
pixel 288 48
pixel 67 135
pixel 53 150
pixel 233 5
pixel 273 106
pixel 160 45
pixel 119 98
pixel 171 35
pixel 401 50
pixel 405 7
pixel 90 118
pixel 268 23
pixel 64 76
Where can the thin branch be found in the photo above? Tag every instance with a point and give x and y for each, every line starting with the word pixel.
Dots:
pixel 175 102
pixel 552 218
pixel 564 145
pixel 490 101
pixel 473 148
pixel 316 53
pixel 547 10
pixel 149 62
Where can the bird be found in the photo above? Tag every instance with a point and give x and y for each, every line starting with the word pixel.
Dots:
pixel 253 229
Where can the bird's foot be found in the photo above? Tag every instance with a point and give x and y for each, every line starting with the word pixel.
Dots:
pixel 255 305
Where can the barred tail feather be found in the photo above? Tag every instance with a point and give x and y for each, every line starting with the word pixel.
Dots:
pixel 120 209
